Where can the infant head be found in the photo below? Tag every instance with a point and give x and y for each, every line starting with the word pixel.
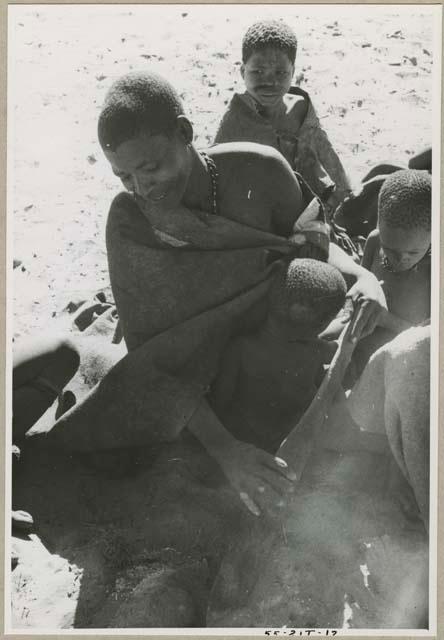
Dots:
pixel 308 294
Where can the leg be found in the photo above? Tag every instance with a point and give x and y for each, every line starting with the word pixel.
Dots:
pixel 41 369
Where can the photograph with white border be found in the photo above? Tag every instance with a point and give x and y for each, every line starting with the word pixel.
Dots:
pixel 222 319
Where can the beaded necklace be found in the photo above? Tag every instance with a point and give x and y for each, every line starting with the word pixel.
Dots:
pixel 212 171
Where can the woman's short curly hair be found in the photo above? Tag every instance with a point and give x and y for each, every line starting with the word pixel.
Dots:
pixel 135 102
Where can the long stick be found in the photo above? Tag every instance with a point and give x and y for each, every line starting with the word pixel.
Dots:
pixel 299 444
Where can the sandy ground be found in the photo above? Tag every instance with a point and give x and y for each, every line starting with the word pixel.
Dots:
pixel 105 553
pixel 368 71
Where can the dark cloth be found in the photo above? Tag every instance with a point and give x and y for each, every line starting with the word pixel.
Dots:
pixel 181 292
pixel 305 145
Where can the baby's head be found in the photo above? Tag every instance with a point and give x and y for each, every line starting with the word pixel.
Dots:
pixel 145 137
pixel 307 295
pixel 405 218
pixel 268 56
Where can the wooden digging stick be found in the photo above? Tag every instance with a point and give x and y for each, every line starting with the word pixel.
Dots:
pixel 299 444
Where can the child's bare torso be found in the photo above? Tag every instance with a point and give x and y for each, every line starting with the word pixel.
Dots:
pixel 275 385
pixel 407 292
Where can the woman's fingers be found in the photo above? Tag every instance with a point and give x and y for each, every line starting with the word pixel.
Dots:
pixel 278 465
pixel 249 503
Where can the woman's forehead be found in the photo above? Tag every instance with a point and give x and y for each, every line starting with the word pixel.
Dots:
pixel 144 147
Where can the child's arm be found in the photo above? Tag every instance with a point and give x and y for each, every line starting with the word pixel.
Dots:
pixel 328 156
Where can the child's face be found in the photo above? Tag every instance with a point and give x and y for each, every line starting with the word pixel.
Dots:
pixel 155 167
pixel 403 248
pixel 267 75
pixel 295 320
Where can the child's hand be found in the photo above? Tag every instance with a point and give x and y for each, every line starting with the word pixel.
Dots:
pixel 262 480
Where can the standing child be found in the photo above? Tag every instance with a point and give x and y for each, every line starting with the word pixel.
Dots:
pixel 273 112
pixel 398 253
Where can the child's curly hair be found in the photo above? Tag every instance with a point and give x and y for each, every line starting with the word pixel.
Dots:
pixel 269 33
pixel 405 200
pixel 314 284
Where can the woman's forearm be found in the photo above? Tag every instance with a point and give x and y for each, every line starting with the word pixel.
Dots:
pixel 206 426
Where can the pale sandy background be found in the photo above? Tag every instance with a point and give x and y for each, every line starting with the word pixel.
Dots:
pixel 368 71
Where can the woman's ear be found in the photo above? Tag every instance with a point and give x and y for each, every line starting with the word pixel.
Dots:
pixel 242 71
pixel 185 129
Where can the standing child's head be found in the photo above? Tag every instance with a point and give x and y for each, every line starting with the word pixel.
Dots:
pixel 405 218
pixel 268 57
pixel 146 137
pixel 307 296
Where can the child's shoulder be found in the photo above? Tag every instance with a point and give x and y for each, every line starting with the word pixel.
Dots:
pixel 297 101
pixel 373 240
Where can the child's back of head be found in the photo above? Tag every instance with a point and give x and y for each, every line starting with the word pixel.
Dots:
pixel 309 293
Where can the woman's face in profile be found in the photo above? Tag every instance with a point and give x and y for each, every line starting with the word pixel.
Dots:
pixel 154 167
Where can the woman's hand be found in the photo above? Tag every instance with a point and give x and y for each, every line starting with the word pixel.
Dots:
pixel 262 480
pixel 368 294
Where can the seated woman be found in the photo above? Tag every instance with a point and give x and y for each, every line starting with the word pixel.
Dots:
pixel 191 252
